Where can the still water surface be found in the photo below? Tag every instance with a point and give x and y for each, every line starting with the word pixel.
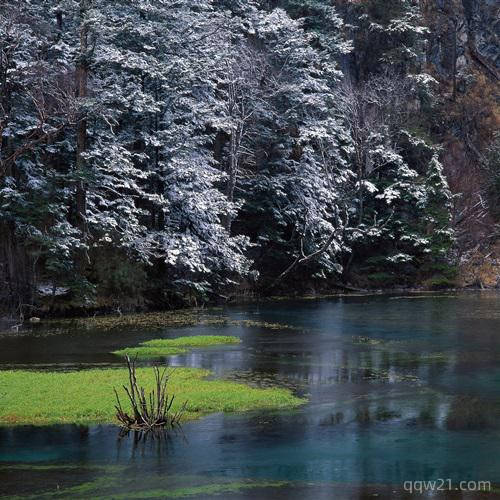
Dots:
pixel 399 388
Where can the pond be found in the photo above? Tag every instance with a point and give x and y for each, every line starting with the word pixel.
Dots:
pixel 400 389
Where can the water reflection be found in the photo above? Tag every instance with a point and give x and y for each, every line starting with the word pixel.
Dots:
pixel 417 399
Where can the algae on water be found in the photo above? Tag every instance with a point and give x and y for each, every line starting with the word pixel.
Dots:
pixel 180 345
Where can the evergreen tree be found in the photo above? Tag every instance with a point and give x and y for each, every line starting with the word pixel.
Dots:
pixel 163 151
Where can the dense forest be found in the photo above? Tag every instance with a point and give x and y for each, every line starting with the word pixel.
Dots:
pixel 160 153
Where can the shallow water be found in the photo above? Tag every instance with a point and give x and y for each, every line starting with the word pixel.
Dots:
pixel 400 389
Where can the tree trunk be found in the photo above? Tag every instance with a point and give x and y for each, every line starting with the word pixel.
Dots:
pixel 232 172
pixel 81 132
pixel 454 61
pixel 16 276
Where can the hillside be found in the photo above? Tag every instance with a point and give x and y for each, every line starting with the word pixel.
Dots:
pixel 157 154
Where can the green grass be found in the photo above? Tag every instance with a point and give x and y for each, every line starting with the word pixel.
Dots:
pixel 86 397
pixel 168 347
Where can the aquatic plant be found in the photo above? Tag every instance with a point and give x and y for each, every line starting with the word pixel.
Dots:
pixel 152 320
pixel 150 411
pixel 180 345
pixel 248 323
pixel 366 340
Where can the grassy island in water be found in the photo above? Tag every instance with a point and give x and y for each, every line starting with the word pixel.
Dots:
pixel 87 397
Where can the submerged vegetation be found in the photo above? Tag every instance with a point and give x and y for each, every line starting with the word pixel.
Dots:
pixel 168 347
pixel 376 381
pixel 163 319
pixel 150 320
pixel 85 397
pixel 113 483
pixel 394 349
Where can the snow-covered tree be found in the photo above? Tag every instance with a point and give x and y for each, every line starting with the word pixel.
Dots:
pixel 294 191
pixel 165 150
pixel 37 110
pixel 397 179
pixel 166 60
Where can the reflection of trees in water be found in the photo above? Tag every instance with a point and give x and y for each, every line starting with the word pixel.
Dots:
pixel 156 443
pixel 370 409
pixel 471 413
pixel 459 413
pixel 335 418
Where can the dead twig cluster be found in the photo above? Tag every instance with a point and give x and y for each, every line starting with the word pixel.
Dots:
pixel 150 410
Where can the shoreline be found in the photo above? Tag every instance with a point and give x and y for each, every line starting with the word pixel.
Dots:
pixel 234 300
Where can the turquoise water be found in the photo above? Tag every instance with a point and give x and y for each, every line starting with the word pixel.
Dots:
pixel 399 388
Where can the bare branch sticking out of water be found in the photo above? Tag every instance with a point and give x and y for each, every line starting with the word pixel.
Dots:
pixel 150 410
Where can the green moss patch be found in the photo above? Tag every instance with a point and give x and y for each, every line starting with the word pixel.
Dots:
pixel 86 397
pixel 180 345
pixel 201 491
pixel 117 488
